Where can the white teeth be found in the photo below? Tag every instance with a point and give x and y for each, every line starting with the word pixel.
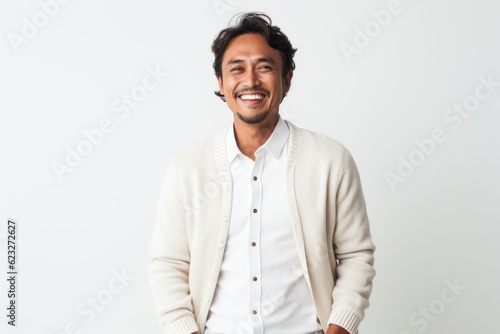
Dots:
pixel 252 97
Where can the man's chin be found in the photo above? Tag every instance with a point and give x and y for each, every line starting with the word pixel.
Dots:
pixel 254 119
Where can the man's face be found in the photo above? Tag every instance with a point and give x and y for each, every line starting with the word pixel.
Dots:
pixel 252 78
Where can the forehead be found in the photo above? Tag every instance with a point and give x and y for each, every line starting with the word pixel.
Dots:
pixel 250 47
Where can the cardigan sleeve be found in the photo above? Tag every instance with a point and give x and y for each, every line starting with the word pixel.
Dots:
pixel 169 259
pixel 353 249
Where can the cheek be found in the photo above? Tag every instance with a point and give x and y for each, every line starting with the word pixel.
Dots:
pixel 229 86
pixel 278 89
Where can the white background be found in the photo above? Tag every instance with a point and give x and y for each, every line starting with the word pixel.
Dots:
pixel 440 224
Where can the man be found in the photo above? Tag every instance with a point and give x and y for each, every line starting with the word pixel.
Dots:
pixel 262 229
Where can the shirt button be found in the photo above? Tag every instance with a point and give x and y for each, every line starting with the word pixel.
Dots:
pixel 224 219
pixel 255 178
pixel 254 279
pixel 254 312
pixel 254 244
pixel 254 210
pixel 221 245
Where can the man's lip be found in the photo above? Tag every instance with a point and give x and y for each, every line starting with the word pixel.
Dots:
pixel 252 93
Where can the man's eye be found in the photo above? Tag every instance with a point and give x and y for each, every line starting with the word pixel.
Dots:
pixel 265 68
pixel 237 69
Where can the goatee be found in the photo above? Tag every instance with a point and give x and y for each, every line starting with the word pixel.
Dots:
pixel 253 119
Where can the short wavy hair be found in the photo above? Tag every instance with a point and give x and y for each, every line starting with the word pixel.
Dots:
pixel 257 23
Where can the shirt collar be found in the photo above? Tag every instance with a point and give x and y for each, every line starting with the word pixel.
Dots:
pixel 274 144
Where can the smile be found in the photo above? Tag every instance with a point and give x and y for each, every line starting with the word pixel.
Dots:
pixel 251 97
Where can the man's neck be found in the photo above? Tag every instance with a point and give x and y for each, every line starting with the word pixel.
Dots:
pixel 249 137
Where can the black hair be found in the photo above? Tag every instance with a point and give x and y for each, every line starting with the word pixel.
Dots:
pixel 258 23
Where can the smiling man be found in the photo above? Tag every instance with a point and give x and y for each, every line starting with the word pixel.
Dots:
pixel 263 228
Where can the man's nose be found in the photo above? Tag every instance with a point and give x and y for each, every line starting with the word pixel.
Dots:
pixel 251 79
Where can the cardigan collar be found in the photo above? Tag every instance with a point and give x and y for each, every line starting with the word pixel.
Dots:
pixel 221 154
pixel 274 144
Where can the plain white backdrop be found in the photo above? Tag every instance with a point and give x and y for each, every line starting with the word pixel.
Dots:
pixel 383 77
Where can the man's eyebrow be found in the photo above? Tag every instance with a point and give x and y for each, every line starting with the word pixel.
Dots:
pixel 267 60
pixel 234 61
pixel 259 60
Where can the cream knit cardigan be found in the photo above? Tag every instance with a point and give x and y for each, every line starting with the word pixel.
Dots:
pixel 330 227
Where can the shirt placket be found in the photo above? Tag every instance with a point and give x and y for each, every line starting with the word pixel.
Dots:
pixel 254 244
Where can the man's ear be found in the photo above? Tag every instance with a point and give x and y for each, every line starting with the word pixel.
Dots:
pixel 287 81
pixel 221 86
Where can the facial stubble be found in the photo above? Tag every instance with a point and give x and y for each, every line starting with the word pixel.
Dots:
pixel 254 119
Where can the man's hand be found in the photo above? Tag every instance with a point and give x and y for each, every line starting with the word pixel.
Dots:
pixel 335 329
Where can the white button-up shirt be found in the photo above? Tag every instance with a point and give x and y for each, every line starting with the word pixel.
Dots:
pixel 261 286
